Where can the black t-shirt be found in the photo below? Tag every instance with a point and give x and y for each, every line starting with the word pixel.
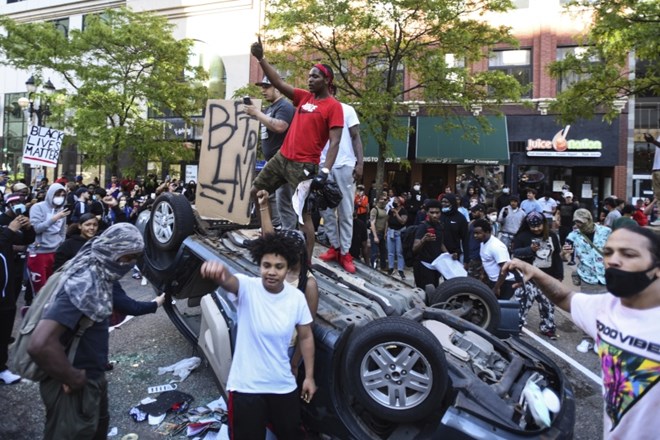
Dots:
pixel 431 249
pixel 360 235
pixel 392 222
pixel 92 353
pixel 566 211
pixel 271 141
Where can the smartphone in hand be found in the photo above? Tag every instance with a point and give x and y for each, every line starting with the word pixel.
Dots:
pixel 247 100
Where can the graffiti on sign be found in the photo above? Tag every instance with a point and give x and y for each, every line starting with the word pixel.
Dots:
pixel 43 146
pixel 227 162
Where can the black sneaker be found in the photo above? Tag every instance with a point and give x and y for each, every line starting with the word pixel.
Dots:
pixel 402 275
pixel 390 271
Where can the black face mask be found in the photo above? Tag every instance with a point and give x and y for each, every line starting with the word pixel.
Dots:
pixel 623 284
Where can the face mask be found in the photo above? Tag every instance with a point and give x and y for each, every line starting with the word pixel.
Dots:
pixel 447 209
pixel 623 284
pixel 58 201
pixel 492 218
pixel 116 270
pixel 416 187
pixel 506 190
pixel 19 209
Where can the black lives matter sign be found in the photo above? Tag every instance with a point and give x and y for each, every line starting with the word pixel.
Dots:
pixel 43 146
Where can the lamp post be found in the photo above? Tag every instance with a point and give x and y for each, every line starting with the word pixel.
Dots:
pixel 41 112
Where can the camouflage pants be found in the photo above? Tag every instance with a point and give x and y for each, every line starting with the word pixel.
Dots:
pixel 527 295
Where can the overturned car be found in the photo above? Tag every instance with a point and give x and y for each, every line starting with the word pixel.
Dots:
pixel 392 361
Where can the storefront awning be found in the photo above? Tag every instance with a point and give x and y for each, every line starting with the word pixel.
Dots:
pixel 399 147
pixel 435 144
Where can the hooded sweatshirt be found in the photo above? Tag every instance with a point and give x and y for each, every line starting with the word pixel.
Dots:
pixel 50 233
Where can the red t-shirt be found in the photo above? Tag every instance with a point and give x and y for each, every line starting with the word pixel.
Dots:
pixel 310 129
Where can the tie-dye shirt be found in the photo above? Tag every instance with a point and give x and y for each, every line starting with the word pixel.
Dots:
pixel 628 342
pixel 591 266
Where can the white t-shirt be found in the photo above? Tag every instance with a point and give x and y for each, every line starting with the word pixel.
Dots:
pixel 548 205
pixel 656 159
pixel 492 253
pixel 346 154
pixel 266 323
pixel 628 342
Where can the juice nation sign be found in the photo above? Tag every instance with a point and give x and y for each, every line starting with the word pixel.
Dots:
pixel 561 146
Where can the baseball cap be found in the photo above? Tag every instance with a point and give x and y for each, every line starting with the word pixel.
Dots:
pixel 568 194
pixel 264 82
pixel 13 197
pixel 18 186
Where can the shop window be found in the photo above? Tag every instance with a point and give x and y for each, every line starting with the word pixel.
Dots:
pixel 516 63
pixel 569 78
pixel 517 146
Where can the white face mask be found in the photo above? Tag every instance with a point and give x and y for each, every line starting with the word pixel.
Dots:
pixel 416 187
pixel 505 190
pixel 492 217
pixel 58 201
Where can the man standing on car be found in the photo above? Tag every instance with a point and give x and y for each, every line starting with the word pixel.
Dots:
pixel 275 121
pixel 624 323
pixel 319 118
pixel 346 170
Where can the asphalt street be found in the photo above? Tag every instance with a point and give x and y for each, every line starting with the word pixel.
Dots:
pixel 141 345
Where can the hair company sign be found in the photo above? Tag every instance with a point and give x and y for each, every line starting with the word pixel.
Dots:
pixel 560 146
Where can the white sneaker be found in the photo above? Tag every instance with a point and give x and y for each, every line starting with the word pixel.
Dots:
pixel 584 346
pixel 655 223
pixel 9 378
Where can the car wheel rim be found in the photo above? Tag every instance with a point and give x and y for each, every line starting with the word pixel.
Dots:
pixel 479 313
pixel 163 223
pixel 396 375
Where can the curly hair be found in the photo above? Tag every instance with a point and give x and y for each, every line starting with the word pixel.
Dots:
pixel 277 244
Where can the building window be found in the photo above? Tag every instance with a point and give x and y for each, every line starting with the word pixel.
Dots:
pixel 380 66
pixel 15 130
pixel 62 25
pixel 516 63
pixel 569 78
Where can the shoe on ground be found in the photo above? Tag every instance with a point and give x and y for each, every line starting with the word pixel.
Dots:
pixel 584 346
pixel 137 276
pixel 571 263
pixel 550 334
pixel 332 254
pixel 655 223
pixel 402 275
pixel 346 261
pixel 9 378
pixel 390 271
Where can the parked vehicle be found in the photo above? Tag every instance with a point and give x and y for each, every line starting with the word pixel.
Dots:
pixel 388 364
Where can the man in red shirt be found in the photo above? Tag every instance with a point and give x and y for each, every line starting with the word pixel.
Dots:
pixel 319 117
pixel 639 215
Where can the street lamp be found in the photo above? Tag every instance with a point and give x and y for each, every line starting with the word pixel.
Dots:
pixel 43 111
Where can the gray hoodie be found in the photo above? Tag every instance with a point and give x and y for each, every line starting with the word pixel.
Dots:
pixel 50 234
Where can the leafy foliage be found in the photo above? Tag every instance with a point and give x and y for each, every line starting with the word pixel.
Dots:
pixel 121 61
pixel 369 43
pixel 619 28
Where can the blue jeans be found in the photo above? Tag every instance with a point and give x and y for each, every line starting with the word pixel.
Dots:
pixel 394 248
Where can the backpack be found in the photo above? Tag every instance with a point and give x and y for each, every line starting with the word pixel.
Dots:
pixel 20 361
pixel 407 241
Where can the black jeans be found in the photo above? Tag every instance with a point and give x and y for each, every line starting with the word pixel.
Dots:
pixel 249 414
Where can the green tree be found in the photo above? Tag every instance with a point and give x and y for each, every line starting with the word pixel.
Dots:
pixel 120 63
pixel 620 28
pixel 369 43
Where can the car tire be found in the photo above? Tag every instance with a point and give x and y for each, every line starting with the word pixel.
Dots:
pixel 396 390
pixel 172 220
pixel 470 298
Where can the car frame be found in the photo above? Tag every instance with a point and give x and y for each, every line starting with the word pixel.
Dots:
pixel 391 360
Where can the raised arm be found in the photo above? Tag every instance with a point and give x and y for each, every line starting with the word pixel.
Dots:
pixel 552 288
pixel 257 51
pixel 217 272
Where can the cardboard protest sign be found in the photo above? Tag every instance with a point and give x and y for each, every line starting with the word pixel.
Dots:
pixel 227 162
pixel 43 146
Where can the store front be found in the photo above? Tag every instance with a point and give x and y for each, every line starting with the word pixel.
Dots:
pixel 456 150
pixel 546 156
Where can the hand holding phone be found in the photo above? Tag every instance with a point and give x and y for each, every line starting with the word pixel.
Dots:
pixel 247 100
